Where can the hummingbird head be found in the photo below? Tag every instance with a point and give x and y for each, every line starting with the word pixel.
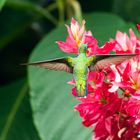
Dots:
pixel 82 48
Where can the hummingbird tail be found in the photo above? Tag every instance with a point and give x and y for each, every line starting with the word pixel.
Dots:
pixel 82 92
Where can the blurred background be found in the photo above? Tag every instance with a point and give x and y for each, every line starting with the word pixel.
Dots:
pixel 24 23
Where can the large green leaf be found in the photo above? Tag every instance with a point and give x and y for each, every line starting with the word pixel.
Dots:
pixel 15 119
pixel 51 98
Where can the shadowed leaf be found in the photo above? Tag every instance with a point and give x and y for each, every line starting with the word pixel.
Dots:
pixel 15 119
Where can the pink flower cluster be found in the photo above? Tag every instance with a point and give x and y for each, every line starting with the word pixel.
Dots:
pixel 112 106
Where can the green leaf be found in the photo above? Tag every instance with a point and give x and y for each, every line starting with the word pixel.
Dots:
pixel 15 119
pixel 51 98
pixel 2 2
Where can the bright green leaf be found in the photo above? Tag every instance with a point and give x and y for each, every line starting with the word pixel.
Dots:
pixel 51 98
pixel 15 119
pixel 2 2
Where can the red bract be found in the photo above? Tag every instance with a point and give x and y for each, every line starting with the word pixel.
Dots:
pixel 113 118
pixel 97 109
pixel 75 37
pixel 133 107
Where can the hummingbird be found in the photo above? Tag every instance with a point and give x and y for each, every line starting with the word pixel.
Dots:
pixel 80 65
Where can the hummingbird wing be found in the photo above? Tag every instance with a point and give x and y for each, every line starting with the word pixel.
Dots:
pixel 106 60
pixel 60 64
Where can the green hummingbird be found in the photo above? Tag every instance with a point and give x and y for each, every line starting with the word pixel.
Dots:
pixel 80 66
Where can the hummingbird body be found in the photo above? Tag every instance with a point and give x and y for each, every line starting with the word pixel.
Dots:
pixel 80 71
pixel 82 64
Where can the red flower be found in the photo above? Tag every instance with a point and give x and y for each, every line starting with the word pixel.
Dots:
pixel 76 36
pixel 112 105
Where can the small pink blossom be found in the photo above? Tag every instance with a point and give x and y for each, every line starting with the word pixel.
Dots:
pixel 76 36
pixel 125 44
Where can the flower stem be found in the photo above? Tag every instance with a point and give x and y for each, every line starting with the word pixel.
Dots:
pixel 13 112
pixel 60 4
pixel 77 10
